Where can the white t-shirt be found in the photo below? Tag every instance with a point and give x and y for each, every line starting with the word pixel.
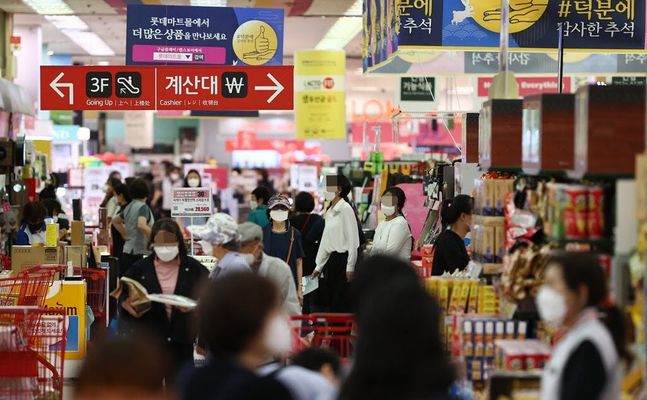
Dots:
pixel 393 238
pixel 279 272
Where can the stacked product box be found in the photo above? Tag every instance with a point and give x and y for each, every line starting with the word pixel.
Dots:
pixel 458 296
pixel 478 338
pixel 574 212
pixel 488 223
pixel 521 355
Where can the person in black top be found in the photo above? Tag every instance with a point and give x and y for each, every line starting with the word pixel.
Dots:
pixel 449 251
pixel 311 226
pixel 169 270
pixel 241 327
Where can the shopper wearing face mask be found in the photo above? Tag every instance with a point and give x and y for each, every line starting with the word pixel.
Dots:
pixel 32 230
pixel 168 270
pixel 220 239
pixel 242 327
pixel 273 268
pixel 585 363
pixel 339 246
pixel 171 180
pixel 283 241
pixel 393 236
pixel 258 206
pixel 450 253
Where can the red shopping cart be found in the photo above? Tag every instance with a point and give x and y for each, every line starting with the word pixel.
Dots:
pixel 96 291
pixel 325 330
pixel 26 290
pixel 32 349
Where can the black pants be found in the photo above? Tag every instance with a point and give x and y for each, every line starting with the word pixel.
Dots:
pixel 333 287
pixel 128 260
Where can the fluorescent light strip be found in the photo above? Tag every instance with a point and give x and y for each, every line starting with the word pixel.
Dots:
pixel 71 22
pixel 343 30
pixel 49 7
pixel 209 3
pixel 90 42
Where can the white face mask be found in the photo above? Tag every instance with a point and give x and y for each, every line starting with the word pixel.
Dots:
pixel 279 215
pixel 207 249
pixel 166 253
pixel 250 259
pixel 193 182
pixel 388 210
pixel 278 338
pixel 104 189
pixel 174 177
pixel 253 204
pixel 551 306
pixel 329 195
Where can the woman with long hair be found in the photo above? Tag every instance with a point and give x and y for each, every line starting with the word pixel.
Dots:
pixel 450 253
pixel 593 336
pixel 393 235
pixel 339 245
pixel 399 352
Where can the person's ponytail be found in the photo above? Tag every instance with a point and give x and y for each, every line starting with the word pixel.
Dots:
pixel 618 324
pixel 453 208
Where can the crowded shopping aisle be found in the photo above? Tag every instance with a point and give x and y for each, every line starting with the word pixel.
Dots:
pixel 323 199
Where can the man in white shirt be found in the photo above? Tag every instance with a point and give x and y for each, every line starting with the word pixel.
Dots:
pixel 251 246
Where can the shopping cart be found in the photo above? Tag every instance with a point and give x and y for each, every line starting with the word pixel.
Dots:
pixel 324 330
pixel 29 289
pixel 96 285
pixel 32 349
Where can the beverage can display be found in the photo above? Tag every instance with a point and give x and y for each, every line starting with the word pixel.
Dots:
pixel 575 212
pixel 595 212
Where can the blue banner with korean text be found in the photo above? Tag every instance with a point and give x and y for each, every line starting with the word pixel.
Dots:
pixel 204 35
pixel 598 25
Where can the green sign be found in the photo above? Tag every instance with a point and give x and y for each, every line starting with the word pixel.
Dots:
pixel 417 89
pixel 629 80
pixel 61 117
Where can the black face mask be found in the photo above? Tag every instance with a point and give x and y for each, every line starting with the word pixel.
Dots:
pixel 35 227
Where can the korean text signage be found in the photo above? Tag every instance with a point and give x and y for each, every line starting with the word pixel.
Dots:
pixel 204 35
pixel 191 202
pixel 615 25
pixel 528 86
pixel 629 80
pixel 417 89
pixel 320 103
pixel 166 88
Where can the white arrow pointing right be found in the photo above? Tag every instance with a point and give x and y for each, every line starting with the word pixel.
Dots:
pixel 56 86
pixel 278 88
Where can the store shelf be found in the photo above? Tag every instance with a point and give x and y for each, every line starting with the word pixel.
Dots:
pixel 516 374
pixel 604 243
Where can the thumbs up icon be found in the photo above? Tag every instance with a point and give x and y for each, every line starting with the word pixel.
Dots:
pixel 262 43
pixel 264 46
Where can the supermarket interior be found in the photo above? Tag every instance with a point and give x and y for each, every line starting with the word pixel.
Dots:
pixel 323 199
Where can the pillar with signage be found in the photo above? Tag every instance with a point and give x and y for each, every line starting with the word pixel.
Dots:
pixel 319 94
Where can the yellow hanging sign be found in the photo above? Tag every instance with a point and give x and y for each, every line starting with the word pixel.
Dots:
pixel 319 91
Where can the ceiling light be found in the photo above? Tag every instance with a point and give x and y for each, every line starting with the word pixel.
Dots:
pixel 49 7
pixel 90 42
pixel 209 3
pixel 67 22
pixel 343 30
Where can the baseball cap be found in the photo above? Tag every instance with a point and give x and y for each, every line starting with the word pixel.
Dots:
pixel 249 231
pixel 219 229
pixel 278 200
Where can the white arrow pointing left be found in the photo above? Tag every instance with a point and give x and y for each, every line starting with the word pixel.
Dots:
pixel 278 88
pixel 57 87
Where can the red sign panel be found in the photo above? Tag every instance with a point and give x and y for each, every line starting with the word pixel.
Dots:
pixel 167 88
pixel 528 86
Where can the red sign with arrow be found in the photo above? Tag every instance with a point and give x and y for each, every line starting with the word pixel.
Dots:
pixel 166 88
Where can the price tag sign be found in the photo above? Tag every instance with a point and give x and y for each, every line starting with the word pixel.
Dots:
pixel 191 202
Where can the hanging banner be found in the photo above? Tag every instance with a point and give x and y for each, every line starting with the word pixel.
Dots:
pixel 599 26
pixel 319 94
pixel 204 35
pixel 528 86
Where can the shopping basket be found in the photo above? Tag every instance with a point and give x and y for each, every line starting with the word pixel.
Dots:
pixel 27 289
pixel 96 286
pixel 333 331
pixel 32 349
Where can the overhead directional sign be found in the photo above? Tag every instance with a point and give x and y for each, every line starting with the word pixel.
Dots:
pixel 166 88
